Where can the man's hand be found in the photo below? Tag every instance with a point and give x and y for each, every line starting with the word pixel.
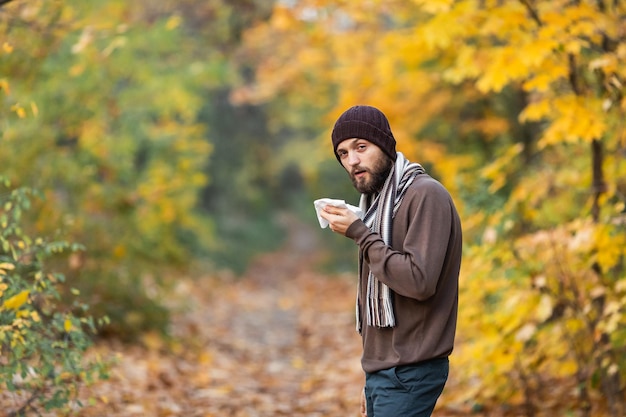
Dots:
pixel 363 404
pixel 339 219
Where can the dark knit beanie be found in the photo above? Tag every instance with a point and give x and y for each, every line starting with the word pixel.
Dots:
pixel 364 122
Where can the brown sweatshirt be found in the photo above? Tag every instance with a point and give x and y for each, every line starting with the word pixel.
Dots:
pixel 422 268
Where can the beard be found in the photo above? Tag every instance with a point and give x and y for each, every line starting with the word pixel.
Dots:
pixel 374 182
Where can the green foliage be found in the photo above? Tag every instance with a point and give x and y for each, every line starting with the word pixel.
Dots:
pixel 42 343
pixel 110 136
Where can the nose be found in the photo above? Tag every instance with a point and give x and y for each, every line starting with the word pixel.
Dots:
pixel 353 158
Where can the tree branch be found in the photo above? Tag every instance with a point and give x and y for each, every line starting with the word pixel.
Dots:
pixel 573 75
pixel 533 12
pixel 3 2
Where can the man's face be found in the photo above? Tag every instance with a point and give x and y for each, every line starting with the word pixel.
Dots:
pixel 367 165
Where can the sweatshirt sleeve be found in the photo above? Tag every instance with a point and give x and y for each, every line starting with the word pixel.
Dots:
pixel 425 220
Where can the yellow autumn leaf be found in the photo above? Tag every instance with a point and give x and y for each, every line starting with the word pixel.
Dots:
pixel 439 32
pixel 16 301
pixel 575 46
pixel 575 119
pixel 282 19
pixel 610 248
pixel 67 325
pixel 435 6
pixel 536 111
pixel 550 71
pixel 7 266
pixel 554 22
pixel 17 339
pixel 65 376
pixel 19 110
pixel 206 358
pixel 76 70
pixel 504 67
pixel 466 65
pixel 583 29
pixel 173 22
pixel 298 363
pixel 533 53
pixel 4 85
pixel 119 251
pixel 24 314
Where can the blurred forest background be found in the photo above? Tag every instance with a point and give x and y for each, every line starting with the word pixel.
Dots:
pixel 182 141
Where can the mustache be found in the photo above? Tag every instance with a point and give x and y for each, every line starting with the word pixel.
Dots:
pixel 358 169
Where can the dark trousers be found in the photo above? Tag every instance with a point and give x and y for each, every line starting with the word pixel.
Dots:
pixel 406 391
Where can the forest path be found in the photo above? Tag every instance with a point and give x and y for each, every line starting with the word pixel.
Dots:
pixel 278 342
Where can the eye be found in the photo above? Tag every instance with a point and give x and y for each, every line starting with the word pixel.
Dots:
pixel 342 153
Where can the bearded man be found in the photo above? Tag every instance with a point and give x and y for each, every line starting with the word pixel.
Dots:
pixel 410 245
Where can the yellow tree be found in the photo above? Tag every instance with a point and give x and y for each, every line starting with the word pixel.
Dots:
pixel 567 58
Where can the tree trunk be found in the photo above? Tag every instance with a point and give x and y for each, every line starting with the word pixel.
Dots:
pixel 598 184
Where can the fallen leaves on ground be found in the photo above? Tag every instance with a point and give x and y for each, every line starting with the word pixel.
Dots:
pixel 243 348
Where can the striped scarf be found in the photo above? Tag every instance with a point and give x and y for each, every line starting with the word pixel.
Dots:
pixel 379 212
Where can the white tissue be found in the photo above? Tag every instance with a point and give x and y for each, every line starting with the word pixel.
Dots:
pixel 323 202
